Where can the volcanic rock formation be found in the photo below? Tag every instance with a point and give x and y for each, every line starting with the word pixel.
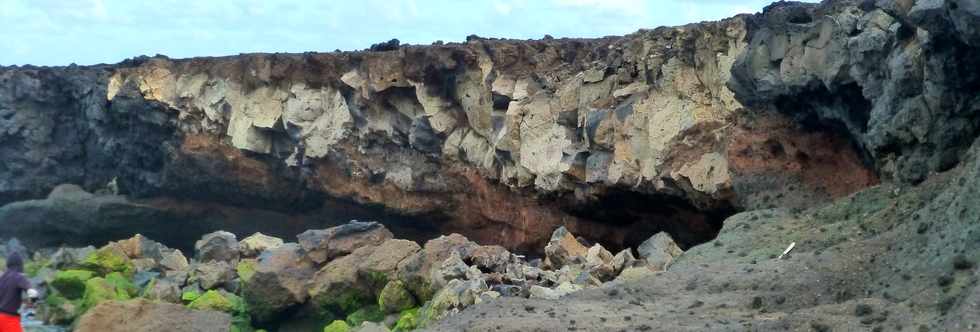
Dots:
pixel 502 140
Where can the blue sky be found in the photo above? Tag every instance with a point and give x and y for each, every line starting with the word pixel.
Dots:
pixel 60 32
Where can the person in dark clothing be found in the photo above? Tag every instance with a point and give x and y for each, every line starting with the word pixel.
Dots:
pixel 12 286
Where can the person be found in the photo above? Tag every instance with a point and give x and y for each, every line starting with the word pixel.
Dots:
pixel 12 286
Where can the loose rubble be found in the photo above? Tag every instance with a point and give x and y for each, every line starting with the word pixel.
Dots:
pixel 353 276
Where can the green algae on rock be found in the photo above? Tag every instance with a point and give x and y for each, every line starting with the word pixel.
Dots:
pixel 107 260
pixel 71 283
pixel 395 297
pixel 370 313
pixel 337 326
pixel 100 289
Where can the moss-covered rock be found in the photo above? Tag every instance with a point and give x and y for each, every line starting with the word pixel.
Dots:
pixel 98 290
pixel 246 269
pixel 371 313
pixel 337 326
pixel 71 283
pixel 344 301
pixel 395 297
pixel 189 296
pixel 108 260
pixel 354 281
pixel 218 301
pixel 408 320
pixel 122 284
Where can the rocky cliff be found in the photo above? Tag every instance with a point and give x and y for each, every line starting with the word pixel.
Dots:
pixel 503 140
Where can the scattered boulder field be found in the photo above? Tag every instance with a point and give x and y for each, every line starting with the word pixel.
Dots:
pixel 355 276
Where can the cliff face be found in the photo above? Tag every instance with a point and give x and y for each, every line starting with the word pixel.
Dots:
pixel 671 129
pixel 898 76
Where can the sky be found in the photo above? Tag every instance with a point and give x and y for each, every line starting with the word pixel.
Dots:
pixel 85 32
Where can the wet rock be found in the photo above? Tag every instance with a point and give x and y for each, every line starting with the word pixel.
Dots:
pixel 217 246
pixel 277 282
pixel 659 251
pixel 141 315
pixel 324 245
pixel 564 249
pixel 256 243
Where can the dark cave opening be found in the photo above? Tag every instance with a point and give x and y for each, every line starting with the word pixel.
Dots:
pixel 844 111
pixel 641 215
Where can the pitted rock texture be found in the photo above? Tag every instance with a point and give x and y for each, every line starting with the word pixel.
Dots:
pixel 502 140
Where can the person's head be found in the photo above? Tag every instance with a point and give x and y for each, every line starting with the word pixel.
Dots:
pixel 15 263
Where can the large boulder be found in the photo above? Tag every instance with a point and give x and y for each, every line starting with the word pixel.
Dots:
pixel 174 261
pixel 326 244
pixel 142 315
pixel 659 251
pixel 490 258
pixel 212 274
pixel 564 249
pixel 353 281
pixel 256 243
pixel 165 289
pixel 220 246
pixel 139 246
pixel 277 281
pixel 598 261
pixel 416 271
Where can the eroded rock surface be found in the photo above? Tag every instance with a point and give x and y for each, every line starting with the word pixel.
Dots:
pixel 500 140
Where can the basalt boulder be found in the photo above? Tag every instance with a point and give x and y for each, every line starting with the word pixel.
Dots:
pixel 277 282
pixel 217 246
pixel 323 245
pixel 355 280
